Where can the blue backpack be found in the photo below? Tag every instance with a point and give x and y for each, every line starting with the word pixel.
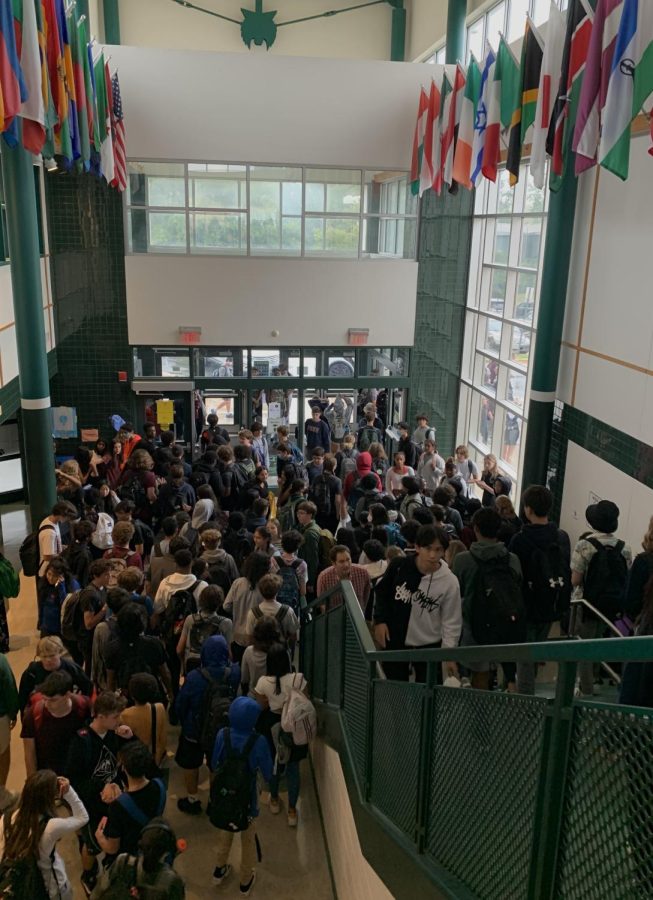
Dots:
pixel 289 590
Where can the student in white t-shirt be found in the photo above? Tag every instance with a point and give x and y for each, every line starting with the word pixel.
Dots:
pixel 269 586
pixel 50 544
pixel 271 692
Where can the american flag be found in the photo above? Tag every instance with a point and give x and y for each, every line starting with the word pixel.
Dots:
pixel 119 152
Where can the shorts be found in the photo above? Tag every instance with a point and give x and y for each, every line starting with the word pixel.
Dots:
pixel 190 754
pixel 5 734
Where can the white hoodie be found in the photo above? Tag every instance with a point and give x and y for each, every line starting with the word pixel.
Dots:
pixel 436 610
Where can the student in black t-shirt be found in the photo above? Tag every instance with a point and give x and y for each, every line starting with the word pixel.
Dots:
pixel 140 802
pixel 93 607
pixel 92 767
pixel 132 653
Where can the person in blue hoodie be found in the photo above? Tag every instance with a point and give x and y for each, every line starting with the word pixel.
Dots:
pixel 58 582
pixel 243 716
pixel 214 658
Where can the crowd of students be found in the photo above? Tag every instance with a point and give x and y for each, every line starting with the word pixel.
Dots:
pixel 171 594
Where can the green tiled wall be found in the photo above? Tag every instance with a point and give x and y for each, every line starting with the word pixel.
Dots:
pixel 90 308
pixel 443 255
pixel 624 452
pixel 10 392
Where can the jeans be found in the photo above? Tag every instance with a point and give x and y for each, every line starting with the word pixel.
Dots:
pixel 292 778
pixel 527 671
pixel 247 851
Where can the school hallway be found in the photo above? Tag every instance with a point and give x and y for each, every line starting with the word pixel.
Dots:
pixel 292 858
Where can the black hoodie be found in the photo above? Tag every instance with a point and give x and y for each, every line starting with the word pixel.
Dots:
pixel 525 543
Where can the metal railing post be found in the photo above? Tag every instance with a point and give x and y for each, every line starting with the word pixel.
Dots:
pixel 424 773
pixel 549 809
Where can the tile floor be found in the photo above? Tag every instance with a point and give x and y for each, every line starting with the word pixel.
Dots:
pixel 295 862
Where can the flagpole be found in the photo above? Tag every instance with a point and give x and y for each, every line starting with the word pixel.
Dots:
pixel 33 377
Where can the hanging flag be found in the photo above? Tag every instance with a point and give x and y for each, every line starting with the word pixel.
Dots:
pixel 96 140
pixel 445 102
pixel 549 80
pixel 561 129
pixel 119 140
pixel 532 52
pixel 13 90
pixel 418 141
pixel 462 163
pixel 88 88
pixel 504 97
pixel 594 92
pixel 106 151
pixel 432 117
pixel 78 49
pixel 32 110
pixel 480 122
pixel 453 122
pixel 630 86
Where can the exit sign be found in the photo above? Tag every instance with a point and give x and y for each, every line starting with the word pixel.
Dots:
pixel 357 336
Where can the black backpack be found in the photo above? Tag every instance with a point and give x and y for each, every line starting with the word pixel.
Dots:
pixel 200 630
pixel 130 664
pixel 605 580
pixel 366 436
pixel 123 881
pixel 21 878
pixel 146 534
pixel 29 553
pixel 548 582
pixel 133 490
pixel 215 706
pixel 180 605
pixel 497 612
pixel 231 787
pixel 320 494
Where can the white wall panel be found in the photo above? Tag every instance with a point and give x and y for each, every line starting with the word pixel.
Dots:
pixel 241 301
pixel 8 354
pixel 614 394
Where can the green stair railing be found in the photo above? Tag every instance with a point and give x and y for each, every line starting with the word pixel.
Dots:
pixel 496 796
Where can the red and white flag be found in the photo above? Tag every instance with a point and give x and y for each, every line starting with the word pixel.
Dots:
pixel 119 145
pixel 452 121
pixel 431 154
pixel 549 80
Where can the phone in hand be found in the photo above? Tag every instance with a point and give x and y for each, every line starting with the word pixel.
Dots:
pixel 103 824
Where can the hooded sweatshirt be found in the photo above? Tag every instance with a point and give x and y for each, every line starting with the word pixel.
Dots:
pixel 188 705
pixel 418 609
pixel 243 716
pixel 222 560
pixel 363 467
pixel 465 569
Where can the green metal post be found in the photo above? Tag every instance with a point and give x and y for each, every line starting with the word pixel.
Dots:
pixel 111 22
pixel 82 10
pixel 23 234
pixel 455 48
pixel 398 37
pixel 551 790
pixel 550 322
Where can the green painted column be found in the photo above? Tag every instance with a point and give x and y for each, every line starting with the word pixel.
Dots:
pixel 550 322
pixel 111 21
pixel 82 10
pixel 23 234
pixel 398 39
pixel 455 48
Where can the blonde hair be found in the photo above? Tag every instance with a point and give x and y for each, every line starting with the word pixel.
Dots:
pixel 211 538
pixel 493 461
pixel 349 440
pixel 123 532
pixel 393 552
pixel 462 449
pixel 504 506
pixel 452 551
pixel 71 467
pixel 50 646
pixel 647 542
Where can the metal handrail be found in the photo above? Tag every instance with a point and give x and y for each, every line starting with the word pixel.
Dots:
pixel 629 649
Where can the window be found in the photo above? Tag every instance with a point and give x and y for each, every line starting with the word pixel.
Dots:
pixel 504 283
pixel 507 17
pixel 232 209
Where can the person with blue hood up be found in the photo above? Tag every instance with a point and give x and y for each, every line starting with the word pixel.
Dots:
pixel 241 734
pixel 214 664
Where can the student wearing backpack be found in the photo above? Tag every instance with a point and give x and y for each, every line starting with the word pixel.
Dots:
pixel 202 625
pixel 325 492
pixel 78 555
pixel 149 874
pixel 216 557
pixel 291 569
pixel 142 800
pixel 51 593
pixel 269 586
pixel 242 596
pixel 92 609
pixel 50 658
pixel 31 865
pixel 310 547
pixel 50 721
pixel 493 608
pixel 543 552
pixel 430 466
pixel 92 767
pixel 238 755
pixel 412 497
pixel 599 572
pixel 466 468
pixel 254 665
pixel 193 710
pixel 368 433
pixel 423 432
pixel 346 457
pixel 287 511
pixel 272 692
pixel 123 533
pixel 131 652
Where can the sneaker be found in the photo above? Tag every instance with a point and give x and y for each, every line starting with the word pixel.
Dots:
pixel 292 818
pixel 246 889
pixel 275 806
pixel 220 873
pixel 89 879
pixel 192 807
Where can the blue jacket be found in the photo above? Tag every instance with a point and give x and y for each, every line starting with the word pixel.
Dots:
pixel 50 602
pixel 188 705
pixel 243 716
